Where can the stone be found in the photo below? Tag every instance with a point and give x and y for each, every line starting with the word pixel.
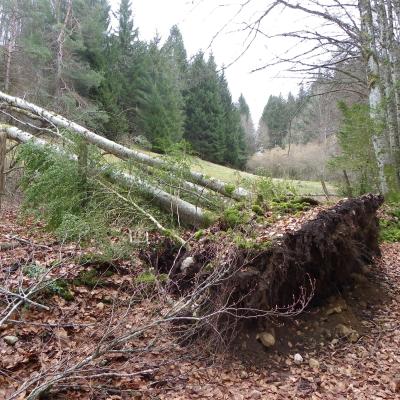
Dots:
pixel 298 359
pixel 334 310
pixel 267 339
pixel 313 363
pixel 256 394
pixel 343 330
pixel 351 334
pixel 10 340
pixel 100 306
pixel 395 385
pixel 187 263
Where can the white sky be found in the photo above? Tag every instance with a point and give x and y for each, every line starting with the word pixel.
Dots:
pixel 200 20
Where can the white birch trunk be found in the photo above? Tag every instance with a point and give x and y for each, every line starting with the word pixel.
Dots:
pixel 10 48
pixel 385 24
pixel 119 150
pixel 3 141
pixel 375 91
pixel 186 212
pixel 60 48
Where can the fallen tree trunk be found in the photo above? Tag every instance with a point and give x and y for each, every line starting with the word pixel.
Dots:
pixel 186 212
pixel 121 151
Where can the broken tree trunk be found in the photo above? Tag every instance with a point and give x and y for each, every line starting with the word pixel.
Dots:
pixel 121 151
pixel 186 212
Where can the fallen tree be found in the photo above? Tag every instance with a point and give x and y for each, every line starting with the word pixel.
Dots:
pixel 288 263
pixel 186 212
pixel 117 149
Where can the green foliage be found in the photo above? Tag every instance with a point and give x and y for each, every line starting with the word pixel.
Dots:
pixel 150 278
pixel 59 287
pixel 212 125
pixel 234 216
pixel 91 278
pixel 53 184
pixel 267 189
pixel 357 156
pixel 390 224
pixel 389 231
pixel 248 243
pixel 199 234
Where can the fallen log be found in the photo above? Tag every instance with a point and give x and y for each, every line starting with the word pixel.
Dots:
pixel 292 263
pixel 121 151
pixel 186 212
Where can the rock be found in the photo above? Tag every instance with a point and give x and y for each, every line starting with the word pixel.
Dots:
pixel 100 306
pixel 351 334
pixel 10 340
pixel 343 330
pixel 298 359
pixel 267 339
pixel 255 394
pixel 187 263
pixel 313 363
pixel 395 385
pixel 334 310
pixel 354 336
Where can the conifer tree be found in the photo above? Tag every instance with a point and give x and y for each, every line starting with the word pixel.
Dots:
pixel 204 110
pixel 247 124
pixel 161 107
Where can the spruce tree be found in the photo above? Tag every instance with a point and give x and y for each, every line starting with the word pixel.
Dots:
pixel 247 124
pixel 160 109
pixel 204 127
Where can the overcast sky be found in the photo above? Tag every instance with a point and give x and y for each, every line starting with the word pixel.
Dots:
pixel 200 20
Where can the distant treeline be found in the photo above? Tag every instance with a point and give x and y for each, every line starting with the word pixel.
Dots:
pixel 64 55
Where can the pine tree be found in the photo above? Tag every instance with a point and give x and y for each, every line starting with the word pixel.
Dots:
pixel 160 112
pixel 233 132
pixel 247 124
pixel 275 117
pixel 204 110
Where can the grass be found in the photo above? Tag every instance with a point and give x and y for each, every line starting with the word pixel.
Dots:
pixel 231 175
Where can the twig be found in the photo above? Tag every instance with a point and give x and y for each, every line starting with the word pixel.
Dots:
pixel 165 231
pixel 23 299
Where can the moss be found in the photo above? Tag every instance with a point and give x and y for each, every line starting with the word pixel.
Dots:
pixel 229 188
pixel 257 209
pixel 89 278
pixel 389 231
pixel 209 219
pixel 247 243
pixel 61 288
pixel 199 234
pixel 150 278
pixel 233 217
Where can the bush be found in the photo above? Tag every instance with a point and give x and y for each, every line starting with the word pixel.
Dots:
pixel 304 162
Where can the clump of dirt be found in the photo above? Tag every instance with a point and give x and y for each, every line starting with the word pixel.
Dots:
pixel 340 318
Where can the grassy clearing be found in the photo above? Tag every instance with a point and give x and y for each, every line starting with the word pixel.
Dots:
pixel 231 175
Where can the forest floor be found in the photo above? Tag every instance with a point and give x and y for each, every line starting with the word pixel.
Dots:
pixel 154 365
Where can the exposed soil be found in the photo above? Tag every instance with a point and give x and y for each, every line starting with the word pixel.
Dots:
pixel 368 368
